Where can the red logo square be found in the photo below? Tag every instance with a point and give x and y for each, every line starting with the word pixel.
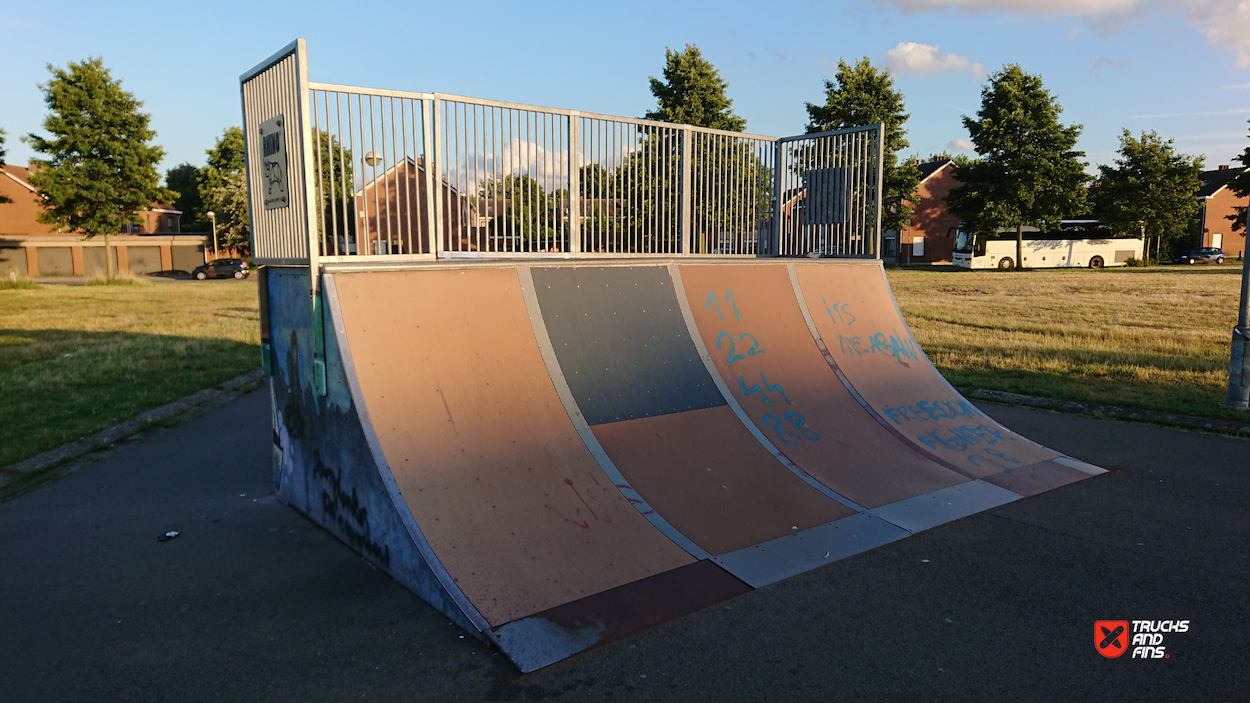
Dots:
pixel 1111 637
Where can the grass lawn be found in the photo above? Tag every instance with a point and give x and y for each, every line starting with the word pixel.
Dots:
pixel 1153 338
pixel 77 359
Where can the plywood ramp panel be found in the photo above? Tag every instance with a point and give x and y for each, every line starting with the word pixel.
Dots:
pixel 483 452
pixel 855 314
pixel 712 480
pixel 749 319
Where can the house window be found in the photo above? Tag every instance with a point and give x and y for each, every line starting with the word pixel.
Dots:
pixel 917 246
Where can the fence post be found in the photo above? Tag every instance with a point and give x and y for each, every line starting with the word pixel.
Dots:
pixel 1239 353
pixel 431 226
pixel 435 167
pixel 310 217
pixel 686 141
pixel 575 184
pixel 877 233
pixel 778 182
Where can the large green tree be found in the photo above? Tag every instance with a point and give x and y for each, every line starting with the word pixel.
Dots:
pixel 693 92
pixel 182 179
pixel 1028 170
pixel 223 189
pixel 1149 191
pixel 862 95
pixel 99 168
pixel 1241 188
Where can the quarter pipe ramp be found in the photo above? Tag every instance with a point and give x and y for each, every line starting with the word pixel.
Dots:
pixel 557 456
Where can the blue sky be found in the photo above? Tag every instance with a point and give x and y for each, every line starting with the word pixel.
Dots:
pixel 1180 67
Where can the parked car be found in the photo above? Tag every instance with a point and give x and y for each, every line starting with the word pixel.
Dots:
pixel 1205 255
pixel 222 268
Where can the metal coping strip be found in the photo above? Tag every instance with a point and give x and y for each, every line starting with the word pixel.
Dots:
pixel 561 385
pixel 384 469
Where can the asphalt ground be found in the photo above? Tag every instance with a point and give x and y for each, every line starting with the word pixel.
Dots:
pixel 254 602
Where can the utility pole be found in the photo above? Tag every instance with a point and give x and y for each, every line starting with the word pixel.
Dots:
pixel 213 216
pixel 1239 356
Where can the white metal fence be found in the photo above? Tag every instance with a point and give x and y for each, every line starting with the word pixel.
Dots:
pixel 396 176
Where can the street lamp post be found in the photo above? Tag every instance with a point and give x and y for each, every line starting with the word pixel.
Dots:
pixel 213 216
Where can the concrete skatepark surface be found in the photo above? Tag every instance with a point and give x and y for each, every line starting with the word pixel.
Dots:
pixel 255 602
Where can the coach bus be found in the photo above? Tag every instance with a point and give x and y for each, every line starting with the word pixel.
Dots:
pixel 1077 243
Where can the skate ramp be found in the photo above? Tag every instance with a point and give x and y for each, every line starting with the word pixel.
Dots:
pixel 582 452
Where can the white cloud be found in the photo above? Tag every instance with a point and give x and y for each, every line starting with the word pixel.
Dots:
pixel 924 60
pixel 1225 24
pixel 1105 62
pixel 961 144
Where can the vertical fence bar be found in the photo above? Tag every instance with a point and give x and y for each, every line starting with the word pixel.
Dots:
pixel 575 183
pixel 684 210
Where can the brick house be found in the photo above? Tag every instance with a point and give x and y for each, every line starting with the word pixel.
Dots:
pixel 30 248
pixel 1218 201
pixel 930 237
pixel 390 207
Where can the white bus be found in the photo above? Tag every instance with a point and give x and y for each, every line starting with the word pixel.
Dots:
pixel 1078 244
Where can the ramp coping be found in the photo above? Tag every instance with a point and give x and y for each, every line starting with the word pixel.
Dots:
pixel 379 458
pixel 583 428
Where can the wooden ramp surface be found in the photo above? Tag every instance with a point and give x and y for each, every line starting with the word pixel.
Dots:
pixel 588 451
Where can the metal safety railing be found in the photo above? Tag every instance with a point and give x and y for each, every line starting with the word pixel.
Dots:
pixel 394 176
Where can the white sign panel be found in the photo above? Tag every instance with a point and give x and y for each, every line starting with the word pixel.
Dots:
pixel 273 160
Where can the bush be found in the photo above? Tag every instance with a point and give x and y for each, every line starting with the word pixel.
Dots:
pixel 1134 262
pixel 121 279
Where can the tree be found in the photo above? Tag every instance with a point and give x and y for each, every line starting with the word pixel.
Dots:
pixel 3 198
pixel 1150 189
pixel 100 169
pixel 693 93
pixel 229 201
pixel 219 187
pixel 1241 188
pixel 1028 171
pixel 182 179
pixel 529 212
pixel 862 95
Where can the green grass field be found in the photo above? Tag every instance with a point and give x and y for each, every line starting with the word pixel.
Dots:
pixel 77 359
pixel 1153 338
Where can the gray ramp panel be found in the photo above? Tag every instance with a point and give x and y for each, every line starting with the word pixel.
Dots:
pixel 622 343
pixel 942 506
pixel 781 558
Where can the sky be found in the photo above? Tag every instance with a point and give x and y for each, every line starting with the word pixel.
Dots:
pixel 1177 67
